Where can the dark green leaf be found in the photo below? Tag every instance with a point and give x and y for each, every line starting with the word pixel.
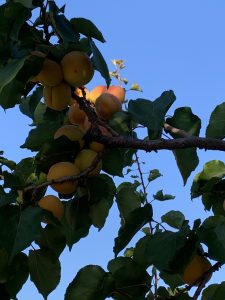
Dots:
pixel 41 134
pixel 216 126
pixel 173 280
pixel 130 279
pixel 18 274
pixel 113 162
pixel 90 283
pixel 154 174
pixel 134 222
pixel 8 163
pixel 29 104
pixel 128 199
pixel 7 198
pixel 99 62
pixel 25 3
pixel 64 28
pixel 76 221
pixel 52 238
pixel 211 233
pixel 163 197
pixel 214 292
pixel 87 28
pixel 101 193
pixel 151 114
pixel 213 171
pixel 44 271
pixel 173 218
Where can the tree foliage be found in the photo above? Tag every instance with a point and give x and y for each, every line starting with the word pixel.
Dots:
pixel 27 42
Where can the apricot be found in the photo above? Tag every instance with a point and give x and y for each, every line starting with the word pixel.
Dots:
pixel 74 133
pixel 98 147
pixel 52 204
pixel 77 68
pixel 195 270
pixel 57 97
pixel 60 170
pixel 114 90
pixel 76 115
pixel 106 105
pixel 79 93
pixel 96 92
pixel 117 91
pixel 51 73
pixel 86 125
pixel 84 160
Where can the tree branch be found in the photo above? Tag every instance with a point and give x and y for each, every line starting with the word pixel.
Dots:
pixel 161 144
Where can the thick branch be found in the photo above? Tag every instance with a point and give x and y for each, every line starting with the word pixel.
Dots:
pixel 161 144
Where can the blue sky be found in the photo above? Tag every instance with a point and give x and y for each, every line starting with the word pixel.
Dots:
pixel 178 45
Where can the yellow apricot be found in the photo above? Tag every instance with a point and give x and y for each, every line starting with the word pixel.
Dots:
pixel 84 160
pixel 98 147
pixel 106 105
pixel 51 73
pixel 52 204
pixel 60 170
pixel 195 270
pixel 76 115
pixel 77 68
pixel 79 93
pixel 57 97
pixel 117 91
pixel 74 133
pixel 96 92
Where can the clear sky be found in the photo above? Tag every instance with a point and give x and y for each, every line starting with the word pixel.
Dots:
pixel 178 45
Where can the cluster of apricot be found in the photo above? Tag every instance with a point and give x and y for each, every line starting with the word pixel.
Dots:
pixel 75 70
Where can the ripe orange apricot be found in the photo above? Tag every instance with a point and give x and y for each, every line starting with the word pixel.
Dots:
pixel 96 92
pixel 57 97
pixel 76 115
pixel 52 204
pixel 77 68
pixel 106 105
pixel 84 159
pixel 86 125
pixel 72 132
pixel 117 91
pixel 79 93
pixel 51 73
pixel 98 147
pixel 195 269
pixel 62 169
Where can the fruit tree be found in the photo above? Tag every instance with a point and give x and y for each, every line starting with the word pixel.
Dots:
pixel 81 140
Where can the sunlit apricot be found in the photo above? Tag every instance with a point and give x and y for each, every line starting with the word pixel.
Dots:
pixel 72 132
pixel 76 115
pixel 60 170
pixel 77 68
pixel 117 91
pixel 50 74
pixel 84 160
pixel 106 105
pixel 52 204
pixel 57 97
pixel 96 92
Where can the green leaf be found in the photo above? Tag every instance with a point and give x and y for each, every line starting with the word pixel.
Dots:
pixel 7 198
pixel 62 26
pixel 162 197
pixel 76 221
pixel 89 284
pixel 87 28
pixel 173 280
pixel 128 199
pixel 216 126
pixel 134 222
pixel 101 192
pixel 113 162
pixel 41 134
pixel 214 292
pixel 99 62
pixel 167 251
pixel 9 72
pixel 18 274
pixel 213 171
pixel 211 233
pixel 29 104
pixel 153 175
pixel 130 278
pixel 173 218
pixel 4 266
pixel 8 163
pixel 25 3
pixel 121 123
pixel 44 271
pixel 26 229
pixel 52 238
pixel 151 114
pixel 187 159
pixel 135 87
